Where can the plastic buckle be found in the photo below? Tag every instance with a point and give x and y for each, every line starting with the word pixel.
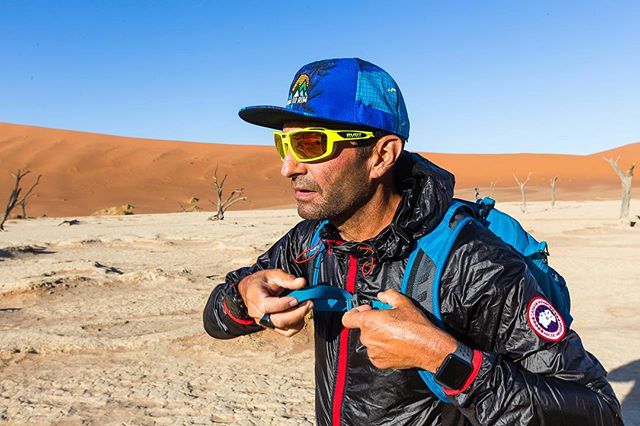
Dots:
pixel 354 302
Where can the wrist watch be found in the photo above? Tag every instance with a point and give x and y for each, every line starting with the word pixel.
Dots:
pixel 234 302
pixel 456 368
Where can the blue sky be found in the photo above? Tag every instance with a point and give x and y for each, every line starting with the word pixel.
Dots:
pixel 477 76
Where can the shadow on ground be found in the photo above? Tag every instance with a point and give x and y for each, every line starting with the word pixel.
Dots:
pixel 631 404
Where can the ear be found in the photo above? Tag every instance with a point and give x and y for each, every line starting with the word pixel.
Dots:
pixel 384 156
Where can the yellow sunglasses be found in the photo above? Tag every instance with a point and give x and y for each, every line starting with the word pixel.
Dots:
pixel 315 143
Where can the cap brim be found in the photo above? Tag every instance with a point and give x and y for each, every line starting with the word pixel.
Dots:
pixel 272 117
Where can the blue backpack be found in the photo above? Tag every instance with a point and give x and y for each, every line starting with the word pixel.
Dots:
pixel 421 280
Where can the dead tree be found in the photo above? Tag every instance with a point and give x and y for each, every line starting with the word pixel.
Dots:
pixel 523 205
pixel 493 189
pixel 14 198
pixel 222 206
pixel 23 202
pixel 625 180
pixel 553 182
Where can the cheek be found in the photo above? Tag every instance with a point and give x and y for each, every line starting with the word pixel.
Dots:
pixel 328 174
pixel 339 176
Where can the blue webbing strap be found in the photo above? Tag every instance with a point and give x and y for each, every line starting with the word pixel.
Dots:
pixel 330 298
pixel 376 304
pixel 316 270
pixel 430 381
pixel 325 298
pixel 317 250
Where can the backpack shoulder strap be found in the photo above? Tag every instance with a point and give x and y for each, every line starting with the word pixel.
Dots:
pixel 424 270
pixel 427 261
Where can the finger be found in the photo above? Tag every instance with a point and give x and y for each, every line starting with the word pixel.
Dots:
pixel 380 363
pixel 352 319
pixel 291 317
pixel 270 305
pixel 279 280
pixel 393 298
pixel 362 308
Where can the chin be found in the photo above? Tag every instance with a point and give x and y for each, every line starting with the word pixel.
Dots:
pixel 308 212
pixel 303 213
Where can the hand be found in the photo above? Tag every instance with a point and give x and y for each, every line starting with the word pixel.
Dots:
pixel 260 292
pixel 401 337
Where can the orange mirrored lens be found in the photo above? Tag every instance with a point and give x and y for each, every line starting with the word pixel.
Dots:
pixel 308 145
pixel 279 146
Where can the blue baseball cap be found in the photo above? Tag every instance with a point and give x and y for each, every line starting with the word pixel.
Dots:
pixel 343 91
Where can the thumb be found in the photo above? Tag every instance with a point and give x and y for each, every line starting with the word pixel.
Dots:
pixel 298 283
pixel 393 298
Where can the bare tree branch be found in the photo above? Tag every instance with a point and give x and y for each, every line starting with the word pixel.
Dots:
pixel 518 180
pixel 553 182
pixel 235 200
pixel 23 202
pixel 614 164
pixel 236 195
pixel 625 180
pixel 523 205
pixel 493 189
pixel 232 198
pixel 14 196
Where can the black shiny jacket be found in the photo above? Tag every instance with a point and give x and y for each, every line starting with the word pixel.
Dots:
pixel 484 294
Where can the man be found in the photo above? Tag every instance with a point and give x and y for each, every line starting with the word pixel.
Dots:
pixel 343 133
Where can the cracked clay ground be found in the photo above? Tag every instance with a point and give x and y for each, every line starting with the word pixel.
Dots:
pixel 100 322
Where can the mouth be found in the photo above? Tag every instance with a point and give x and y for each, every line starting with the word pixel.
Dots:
pixel 302 194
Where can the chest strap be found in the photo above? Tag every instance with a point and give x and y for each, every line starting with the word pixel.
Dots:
pixel 333 299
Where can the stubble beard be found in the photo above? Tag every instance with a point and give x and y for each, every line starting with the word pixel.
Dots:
pixel 339 201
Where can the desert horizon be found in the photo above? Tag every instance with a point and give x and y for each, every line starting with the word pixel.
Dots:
pixel 83 172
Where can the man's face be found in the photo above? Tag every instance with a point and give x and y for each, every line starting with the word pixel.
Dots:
pixel 333 188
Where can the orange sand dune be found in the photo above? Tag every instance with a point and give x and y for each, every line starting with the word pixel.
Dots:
pixel 84 172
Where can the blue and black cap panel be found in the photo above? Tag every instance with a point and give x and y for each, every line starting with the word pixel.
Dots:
pixel 345 91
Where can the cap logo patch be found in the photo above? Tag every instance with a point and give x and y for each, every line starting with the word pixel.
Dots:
pixel 300 90
pixel 544 320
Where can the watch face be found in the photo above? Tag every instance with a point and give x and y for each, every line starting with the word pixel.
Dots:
pixel 454 372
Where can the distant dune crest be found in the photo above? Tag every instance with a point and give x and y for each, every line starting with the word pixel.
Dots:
pixel 87 172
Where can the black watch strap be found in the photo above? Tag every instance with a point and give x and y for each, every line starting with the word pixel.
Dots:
pixel 234 302
pixel 465 352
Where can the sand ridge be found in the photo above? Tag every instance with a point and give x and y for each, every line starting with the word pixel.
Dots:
pixel 85 172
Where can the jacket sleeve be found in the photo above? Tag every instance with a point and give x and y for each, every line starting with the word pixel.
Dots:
pixel 523 376
pixel 218 320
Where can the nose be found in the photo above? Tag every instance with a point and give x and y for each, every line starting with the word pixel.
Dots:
pixel 290 166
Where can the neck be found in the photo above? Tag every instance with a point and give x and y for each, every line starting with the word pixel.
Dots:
pixel 370 219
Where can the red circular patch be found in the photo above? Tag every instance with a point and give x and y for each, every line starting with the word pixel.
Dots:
pixel 544 320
